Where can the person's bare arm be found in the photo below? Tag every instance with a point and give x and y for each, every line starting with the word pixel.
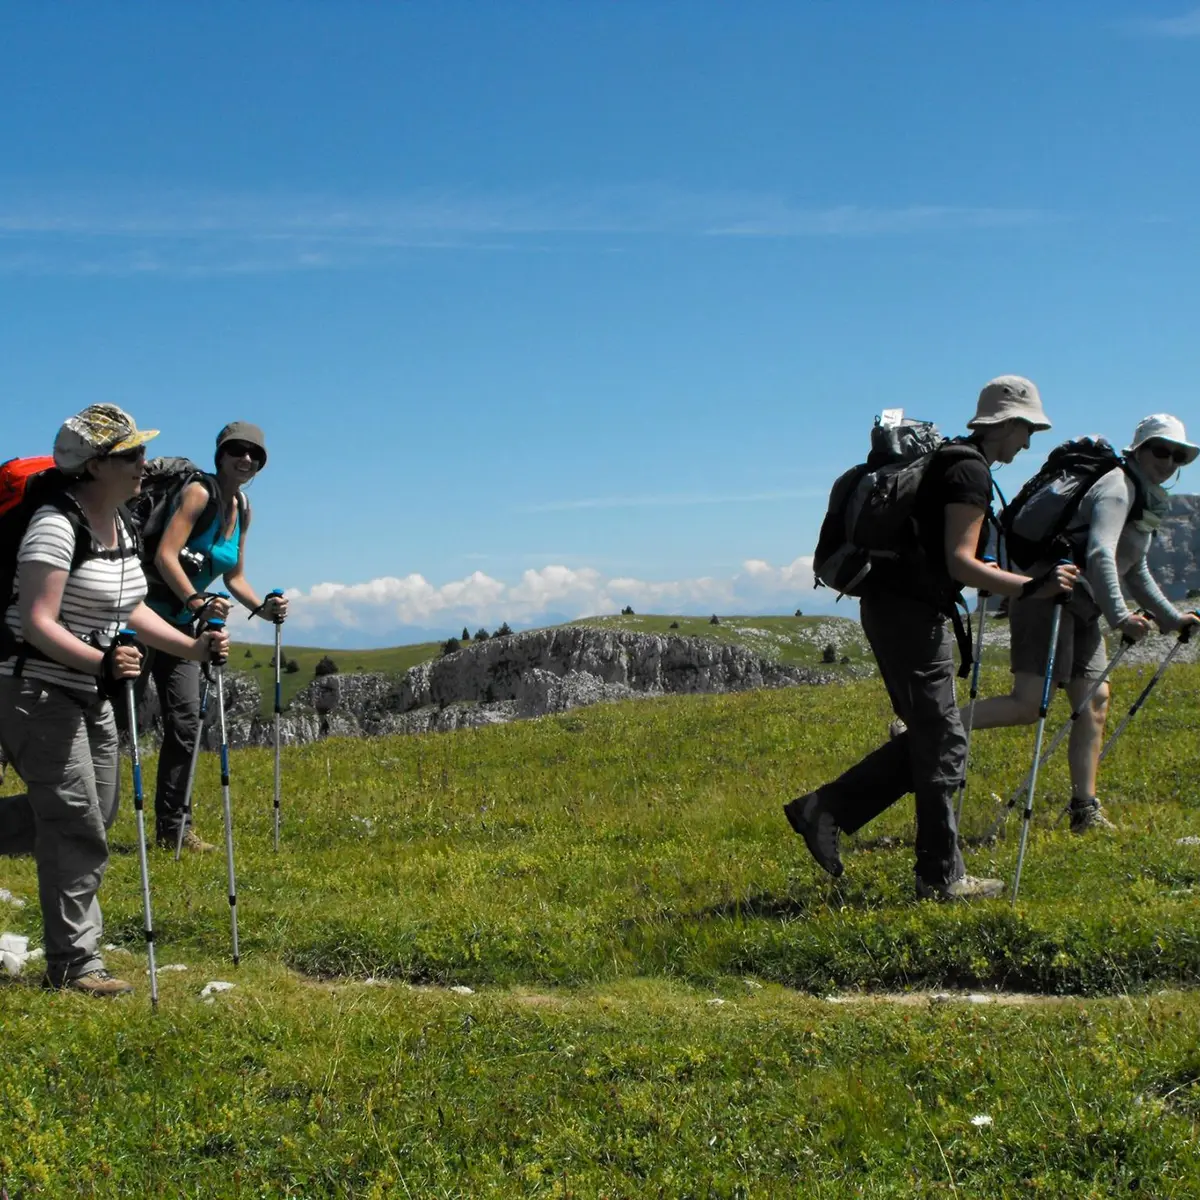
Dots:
pixel 179 528
pixel 963 530
pixel 41 596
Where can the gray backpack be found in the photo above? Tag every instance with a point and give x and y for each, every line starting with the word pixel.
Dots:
pixel 870 513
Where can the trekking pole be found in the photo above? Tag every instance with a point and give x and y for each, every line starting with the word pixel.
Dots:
pixel 186 819
pixel 1184 636
pixel 975 667
pixel 191 776
pixel 1058 739
pixel 1047 686
pixel 278 710
pixel 215 624
pixel 127 637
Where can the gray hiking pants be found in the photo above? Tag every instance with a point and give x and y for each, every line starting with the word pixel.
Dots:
pixel 63 744
pixel 913 646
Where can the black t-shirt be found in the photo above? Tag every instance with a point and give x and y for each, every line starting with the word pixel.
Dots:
pixel 951 479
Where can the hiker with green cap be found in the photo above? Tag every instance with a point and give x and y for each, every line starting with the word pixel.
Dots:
pixel 72 582
pixel 904 608
pixel 203 539
pixel 1107 533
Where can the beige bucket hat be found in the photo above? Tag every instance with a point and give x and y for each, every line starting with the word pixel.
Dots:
pixel 1007 397
pixel 1162 427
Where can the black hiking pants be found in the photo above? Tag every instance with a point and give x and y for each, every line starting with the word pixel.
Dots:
pixel 913 646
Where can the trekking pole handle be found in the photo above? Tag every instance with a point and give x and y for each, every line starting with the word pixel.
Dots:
pixel 983 593
pixel 215 625
pixel 126 637
pixel 254 612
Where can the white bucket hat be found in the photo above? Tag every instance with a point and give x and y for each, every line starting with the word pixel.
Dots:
pixel 1162 427
pixel 1009 397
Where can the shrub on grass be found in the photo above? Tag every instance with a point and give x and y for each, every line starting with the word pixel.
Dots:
pixel 714 619
pixel 326 667
pixel 829 654
pixel 674 625
pixel 482 635
pixel 450 645
pixel 504 631
pixel 290 666
pixel 466 634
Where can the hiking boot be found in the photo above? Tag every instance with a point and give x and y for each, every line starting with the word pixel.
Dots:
pixel 1087 815
pixel 809 817
pixel 966 888
pixel 191 841
pixel 94 983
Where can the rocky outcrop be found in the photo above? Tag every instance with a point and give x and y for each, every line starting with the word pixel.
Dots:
pixel 502 679
pixel 1174 556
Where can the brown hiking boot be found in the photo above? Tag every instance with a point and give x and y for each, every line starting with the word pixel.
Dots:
pixel 191 841
pixel 809 817
pixel 1087 815
pixel 94 983
pixel 966 888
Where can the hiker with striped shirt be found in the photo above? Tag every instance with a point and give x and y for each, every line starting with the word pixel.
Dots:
pixel 78 581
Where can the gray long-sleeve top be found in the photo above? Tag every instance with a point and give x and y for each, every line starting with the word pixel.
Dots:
pixel 1116 554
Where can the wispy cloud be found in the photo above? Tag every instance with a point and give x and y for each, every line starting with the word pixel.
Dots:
pixel 231 234
pixel 668 501
pixel 1186 25
pixel 375 607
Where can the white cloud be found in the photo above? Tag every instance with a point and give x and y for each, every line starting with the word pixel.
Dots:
pixel 229 233
pixel 1187 25
pixel 377 606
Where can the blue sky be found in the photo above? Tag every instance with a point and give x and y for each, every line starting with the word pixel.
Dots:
pixel 548 308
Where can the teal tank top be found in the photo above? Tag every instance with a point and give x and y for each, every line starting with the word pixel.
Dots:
pixel 220 555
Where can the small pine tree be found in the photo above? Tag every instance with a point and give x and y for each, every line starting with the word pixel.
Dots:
pixel 714 619
pixel 829 654
pixel 482 635
pixel 627 611
pixel 504 631
pixel 248 654
pixel 799 613
pixel 466 634
pixel 450 645
pixel 290 666
pixel 674 625
pixel 326 667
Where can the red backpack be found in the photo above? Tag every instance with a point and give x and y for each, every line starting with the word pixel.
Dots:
pixel 15 474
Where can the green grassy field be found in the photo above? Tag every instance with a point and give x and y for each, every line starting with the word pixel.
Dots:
pixel 652 958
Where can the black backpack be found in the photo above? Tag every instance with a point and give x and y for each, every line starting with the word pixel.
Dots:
pixel 48 487
pixel 871 507
pixel 1038 525
pixel 163 481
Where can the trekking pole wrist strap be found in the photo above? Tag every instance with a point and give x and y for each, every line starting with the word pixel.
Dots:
pixel 1033 585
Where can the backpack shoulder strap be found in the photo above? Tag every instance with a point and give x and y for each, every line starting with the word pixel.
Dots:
pixel 1138 507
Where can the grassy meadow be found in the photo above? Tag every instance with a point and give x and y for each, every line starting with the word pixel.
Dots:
pixel 585 956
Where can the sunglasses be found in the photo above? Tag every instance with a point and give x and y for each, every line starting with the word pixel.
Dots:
pixel 137 454
pixel 243 450
pixel 1177 455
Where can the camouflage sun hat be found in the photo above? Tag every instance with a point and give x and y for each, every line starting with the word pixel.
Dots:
pixel 244 431
pixel 1006 398
pixel 99 430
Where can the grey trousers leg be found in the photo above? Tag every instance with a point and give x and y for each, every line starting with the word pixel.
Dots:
pixel 914 648
pixel 177 681
pixel 64 746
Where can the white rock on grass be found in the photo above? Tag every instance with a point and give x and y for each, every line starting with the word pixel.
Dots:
pixel 1188 841
pixel 6 897
pixel 15 953
pixel 168 967
pixel 216 985
pixel 461 989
